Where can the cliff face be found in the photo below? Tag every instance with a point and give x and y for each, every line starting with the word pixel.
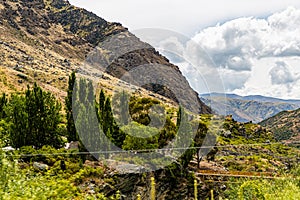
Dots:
pixel 46 39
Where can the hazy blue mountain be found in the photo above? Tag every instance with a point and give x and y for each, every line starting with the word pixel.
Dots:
pixel 253 108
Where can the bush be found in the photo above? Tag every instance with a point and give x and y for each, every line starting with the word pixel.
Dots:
pixel 26 184
pixel 279 189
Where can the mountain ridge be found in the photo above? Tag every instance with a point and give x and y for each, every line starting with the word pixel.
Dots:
pixel 251 97
pixel 253 108
pixel 47 39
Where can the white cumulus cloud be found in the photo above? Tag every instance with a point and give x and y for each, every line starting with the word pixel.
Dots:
pixel 248 55
pixel 280 74
pixel 237 46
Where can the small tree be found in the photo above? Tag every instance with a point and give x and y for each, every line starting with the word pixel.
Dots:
pixel 168 133
pixel 140 137
pixel 184 137
pixel 198 141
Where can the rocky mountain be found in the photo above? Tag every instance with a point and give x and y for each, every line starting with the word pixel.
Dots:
pixel 285 126
pixel 44 40
pixel 253 108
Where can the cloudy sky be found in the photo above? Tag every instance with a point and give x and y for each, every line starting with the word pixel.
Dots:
pixel 244 47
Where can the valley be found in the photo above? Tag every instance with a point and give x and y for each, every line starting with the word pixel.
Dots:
pixel 89 111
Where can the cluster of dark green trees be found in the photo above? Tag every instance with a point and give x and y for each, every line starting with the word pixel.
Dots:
pixel 91 121
pixel 31 119
pixel 34 118
pixel 125 123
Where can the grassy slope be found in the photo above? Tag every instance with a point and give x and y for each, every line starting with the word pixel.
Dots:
pixel 285 126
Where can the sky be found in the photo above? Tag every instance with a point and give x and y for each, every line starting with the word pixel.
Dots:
pixel 245 47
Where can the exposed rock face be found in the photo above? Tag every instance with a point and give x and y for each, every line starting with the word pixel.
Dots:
pixel 71 32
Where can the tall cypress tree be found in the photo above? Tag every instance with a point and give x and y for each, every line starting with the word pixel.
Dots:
pixel 19 121
pixel 82 92
pixel 90 92
pixel 101 101
pixel 179 115
pixel 107 122
pixel 71 129
pixel 84 117
pixel 3 102
pixel 185 137
pixel 124 108
pixel 108 118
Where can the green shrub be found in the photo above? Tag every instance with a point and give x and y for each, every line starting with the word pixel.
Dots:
pixel 16 183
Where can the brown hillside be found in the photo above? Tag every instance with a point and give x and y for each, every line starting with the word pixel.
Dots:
pixel 44 40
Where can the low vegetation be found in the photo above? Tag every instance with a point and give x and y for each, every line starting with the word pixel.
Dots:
pixel 34 123
pixel 283 188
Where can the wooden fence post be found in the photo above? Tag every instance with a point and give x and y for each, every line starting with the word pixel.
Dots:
pixel 152 188
pixel 118 195
pixel 195 190
pixel 138 197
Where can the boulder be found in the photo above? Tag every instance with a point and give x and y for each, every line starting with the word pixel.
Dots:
pixel 9 148
pixel 40 166
pixel 72 145
pixel 129 169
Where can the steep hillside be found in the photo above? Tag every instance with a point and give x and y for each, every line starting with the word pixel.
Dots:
pixel 248 108
pixel 44 40
pixel 285 126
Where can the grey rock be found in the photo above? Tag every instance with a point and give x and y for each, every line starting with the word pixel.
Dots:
pixel 40 166
pixel 129 168
pixel 8 148
pixel 72 145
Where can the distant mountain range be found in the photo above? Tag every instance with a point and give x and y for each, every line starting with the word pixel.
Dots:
pixel 253 108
